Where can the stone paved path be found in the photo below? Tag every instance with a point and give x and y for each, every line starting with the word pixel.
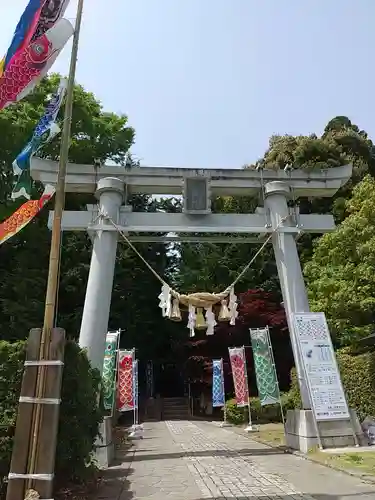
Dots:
pixel 182 460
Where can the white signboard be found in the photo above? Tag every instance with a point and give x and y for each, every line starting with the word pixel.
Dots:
pixel 320 366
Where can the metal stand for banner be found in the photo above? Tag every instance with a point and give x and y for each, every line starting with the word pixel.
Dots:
pixel 136 429
pixel 249 427
pixel 225 422
pixel 115 380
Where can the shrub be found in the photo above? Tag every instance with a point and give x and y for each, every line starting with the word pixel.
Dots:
pixel 259 414
pixel 80 415
pixel 358 379
pixel 235 415
pixel 294 392
pixel 11 368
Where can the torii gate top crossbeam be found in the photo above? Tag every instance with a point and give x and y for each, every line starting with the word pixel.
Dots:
pixel 169 180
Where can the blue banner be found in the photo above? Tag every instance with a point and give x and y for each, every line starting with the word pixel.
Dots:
pixel 24 30
pixel 44 132
pixel 218 396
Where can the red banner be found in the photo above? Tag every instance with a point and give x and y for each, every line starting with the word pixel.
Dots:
pixel 23 215
pixel 238 364
pixel 125 398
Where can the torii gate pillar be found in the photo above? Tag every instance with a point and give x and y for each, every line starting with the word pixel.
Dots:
pixel 95 316
pixel 289 269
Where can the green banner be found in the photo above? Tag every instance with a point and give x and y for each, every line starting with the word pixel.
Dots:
pixel 109 370
pixel 265 372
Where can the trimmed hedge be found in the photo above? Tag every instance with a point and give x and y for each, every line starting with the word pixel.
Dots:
pixel 259 414
pixel 358 378
pixel 80 415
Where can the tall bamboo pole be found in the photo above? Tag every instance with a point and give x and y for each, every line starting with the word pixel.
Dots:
pixel 54 260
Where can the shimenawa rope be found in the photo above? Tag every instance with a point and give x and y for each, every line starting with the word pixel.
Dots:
pixel 199 299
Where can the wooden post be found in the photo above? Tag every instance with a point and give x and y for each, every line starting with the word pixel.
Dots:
pixel 45 459
pixel 52 282
pixel 18 465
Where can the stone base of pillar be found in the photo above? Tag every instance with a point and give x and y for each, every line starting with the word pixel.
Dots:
pixel 105 451
pixel 300 433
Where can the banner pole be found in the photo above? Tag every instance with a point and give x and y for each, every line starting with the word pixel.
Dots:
pixel 225 422
pixel 134 394
pixel 137 392
pixel 116 375
pixel 249 428
pixel 223 386
pixel 53 276
pixel 277 379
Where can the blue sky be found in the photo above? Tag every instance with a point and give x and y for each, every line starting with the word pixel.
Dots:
pixel 206 82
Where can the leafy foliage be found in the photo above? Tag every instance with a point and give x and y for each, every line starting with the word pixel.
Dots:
pixel 358 378
pixel 342 142
pixel 235 415
pixel 11 369
pixel 341 273
pixel 305 152
pixel 80 415
pixel 96 134
pixel 259 414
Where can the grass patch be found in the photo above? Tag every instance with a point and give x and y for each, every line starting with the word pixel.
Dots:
pixel 272 434
pixel 358 463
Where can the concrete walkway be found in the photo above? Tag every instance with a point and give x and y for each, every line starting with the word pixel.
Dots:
pixel 183 460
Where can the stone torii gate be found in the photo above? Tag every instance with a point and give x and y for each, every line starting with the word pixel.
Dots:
pixel 112 185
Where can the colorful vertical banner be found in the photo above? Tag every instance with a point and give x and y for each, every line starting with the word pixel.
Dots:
pixel 38 17
pixel 51 12
pixel 24 214
pixel 30 64
pixel 135 383
pixel 24 31
pixel 125 396
pixel 109 369
pixel 265 371
pixel 150 379
pixel 218 396
pixel 238 365
pixel 44 132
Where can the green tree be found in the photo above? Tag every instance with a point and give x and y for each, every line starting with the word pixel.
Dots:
pixel 341 143
pixel 213 266
pixel 24 259
pixel 341 273
pixel 96 134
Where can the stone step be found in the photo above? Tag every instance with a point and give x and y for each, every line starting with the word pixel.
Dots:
pixel 175 408
pixel 171 405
